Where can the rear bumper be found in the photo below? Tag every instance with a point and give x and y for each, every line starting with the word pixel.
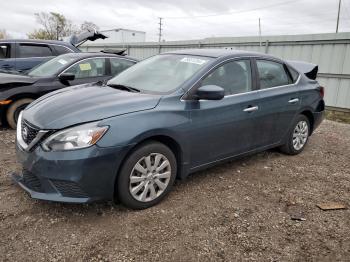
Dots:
pixel 318 118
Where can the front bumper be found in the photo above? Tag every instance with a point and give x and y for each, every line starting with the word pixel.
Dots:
pixel 79 176
pixel 53 196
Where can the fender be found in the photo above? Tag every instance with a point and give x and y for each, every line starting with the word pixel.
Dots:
pixel 182 147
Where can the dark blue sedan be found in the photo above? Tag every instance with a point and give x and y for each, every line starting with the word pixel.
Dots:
pixel 162 119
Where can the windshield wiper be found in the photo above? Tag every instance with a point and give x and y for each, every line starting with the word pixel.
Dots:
pixel 123 87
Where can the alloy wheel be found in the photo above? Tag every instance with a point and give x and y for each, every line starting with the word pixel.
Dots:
pixel 150 177
pixel 300 135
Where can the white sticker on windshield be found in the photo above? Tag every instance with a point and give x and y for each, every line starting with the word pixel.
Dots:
pixel 193 60
pixel 62 61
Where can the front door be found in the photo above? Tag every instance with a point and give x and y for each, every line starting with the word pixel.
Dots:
pixel 226 127
pixel 89 71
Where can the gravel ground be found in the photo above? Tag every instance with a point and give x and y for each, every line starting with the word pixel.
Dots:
pixel 238 211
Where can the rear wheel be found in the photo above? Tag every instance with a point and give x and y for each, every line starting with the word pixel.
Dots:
pixel 147 176
pixel 15 109
pixel 298 136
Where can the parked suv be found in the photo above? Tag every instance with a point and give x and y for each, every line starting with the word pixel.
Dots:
pixel 22 55
pixel 161 119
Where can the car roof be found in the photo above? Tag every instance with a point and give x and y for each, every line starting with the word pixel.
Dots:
pixel 55 42
pixel 218 52
pixel 96 54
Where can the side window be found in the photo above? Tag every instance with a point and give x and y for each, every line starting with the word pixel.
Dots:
pixel 93 67
pixel 234 77
pixel 60 50
pixel 294 74
pixel 5 51
pixel 30 50
pixel 119 65
pixel 271 74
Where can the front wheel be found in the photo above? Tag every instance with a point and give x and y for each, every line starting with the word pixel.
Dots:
pixel 15 109
pixel 147 176
pixel 297 137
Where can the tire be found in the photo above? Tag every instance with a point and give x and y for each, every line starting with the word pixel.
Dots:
pixel 135 166
pixel 296 140
pixel 14 110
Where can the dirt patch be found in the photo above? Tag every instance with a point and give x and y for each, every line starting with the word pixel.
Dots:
pixel 237 211
pixel 338 116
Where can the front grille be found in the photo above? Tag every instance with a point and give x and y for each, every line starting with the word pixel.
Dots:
pixel 31 181
pixel 29 132
pixel 69 189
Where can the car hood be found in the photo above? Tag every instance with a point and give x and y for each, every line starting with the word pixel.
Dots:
pixel 85 103
pixel 10 80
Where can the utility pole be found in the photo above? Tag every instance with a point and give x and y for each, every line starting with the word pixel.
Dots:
pixel 339 6
pixel 160 29
pixel 260 32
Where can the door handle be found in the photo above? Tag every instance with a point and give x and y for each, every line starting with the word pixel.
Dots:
pixel 293 101
pixel 251 109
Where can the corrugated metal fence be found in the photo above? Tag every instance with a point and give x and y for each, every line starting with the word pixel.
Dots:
pixel 330 51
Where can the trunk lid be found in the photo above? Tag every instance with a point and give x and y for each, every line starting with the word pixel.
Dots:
pixel 310 70
pixel 91 35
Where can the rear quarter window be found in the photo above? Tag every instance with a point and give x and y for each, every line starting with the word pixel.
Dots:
pixel 60 50
pixel 293 73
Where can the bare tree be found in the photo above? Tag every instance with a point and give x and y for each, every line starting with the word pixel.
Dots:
pixel 4 34
pixel 55 26
pixel 88 26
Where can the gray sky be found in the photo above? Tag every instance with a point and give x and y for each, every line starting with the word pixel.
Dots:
pixel 184 19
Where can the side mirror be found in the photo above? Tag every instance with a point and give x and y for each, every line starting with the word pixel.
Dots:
pixel 210 92
pixel 66 77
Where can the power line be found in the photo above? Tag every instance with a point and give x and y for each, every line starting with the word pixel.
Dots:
pixel 235 12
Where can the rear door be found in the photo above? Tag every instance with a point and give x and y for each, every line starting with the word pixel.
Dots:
pixel 278 100
pixel 118 65
pixel 29 55
pixel 7 54
pixel 225 127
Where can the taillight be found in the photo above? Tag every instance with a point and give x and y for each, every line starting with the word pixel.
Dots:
pixel 322 91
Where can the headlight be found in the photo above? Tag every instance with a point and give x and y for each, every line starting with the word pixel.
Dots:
pixel 75 138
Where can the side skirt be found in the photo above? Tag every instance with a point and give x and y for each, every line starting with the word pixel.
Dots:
pixel 226 159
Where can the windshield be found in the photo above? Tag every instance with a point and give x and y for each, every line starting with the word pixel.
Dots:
pixel 161 73
pixel 51 67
